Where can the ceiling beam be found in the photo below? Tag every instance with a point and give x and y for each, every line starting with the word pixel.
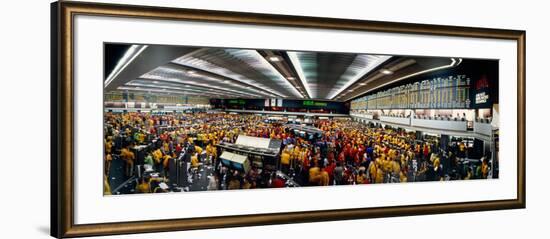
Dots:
pixel 149 59
pixel 283 66
pixel 361 66
pixel 174 91
pixel 221 77
pixel 296 64
pixel 195 85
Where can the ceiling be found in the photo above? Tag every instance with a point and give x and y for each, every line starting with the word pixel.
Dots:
pixel 243 73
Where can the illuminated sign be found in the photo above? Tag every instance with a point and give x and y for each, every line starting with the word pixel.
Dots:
pixel 482 98
pixel 482 83
pixel 314 103
pixel 237 102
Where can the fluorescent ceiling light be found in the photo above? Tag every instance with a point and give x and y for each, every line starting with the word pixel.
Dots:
pixel 386 72
pixel 361 66
pixel 124 61
pixel 175 81
pixel 174 90
pixel 258 62
pixel 298 66
pixel 248 56
pixel 175 75
pixel 274 58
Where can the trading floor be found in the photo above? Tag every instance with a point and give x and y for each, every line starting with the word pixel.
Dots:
pixel 165 152
pixel 191 118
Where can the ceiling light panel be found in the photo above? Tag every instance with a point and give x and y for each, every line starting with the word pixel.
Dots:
pixel 305 64
pixel 361 66
pixel 192 89
pixel 148 90
pixel 124 61
pixel 177 91
pixel 184 85
pixel 170 74
pixel 245 66
pixel 254 59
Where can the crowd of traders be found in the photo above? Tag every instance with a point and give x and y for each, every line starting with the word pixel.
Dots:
pixel 346 152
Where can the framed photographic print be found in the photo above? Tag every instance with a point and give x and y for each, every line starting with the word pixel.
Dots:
pixel 172 119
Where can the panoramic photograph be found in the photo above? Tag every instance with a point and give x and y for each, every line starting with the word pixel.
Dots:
pixel 188 118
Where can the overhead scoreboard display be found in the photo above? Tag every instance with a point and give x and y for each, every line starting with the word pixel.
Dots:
pixel 307 103
pixel 280 104
pixel 440 92
pixel 457 90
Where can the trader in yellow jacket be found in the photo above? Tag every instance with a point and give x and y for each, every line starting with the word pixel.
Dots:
pixel 484 168
pixel 285 161
pixel 198 149
pixel 373 170
pixel 166 163
pixel 128 157
pixel 106 186
pixel 108 145
pixel 157 156
pixel 143 186
pixel 211 150
pixel 379 176
pixel 314 175
pixel 195 161
pixel 324 178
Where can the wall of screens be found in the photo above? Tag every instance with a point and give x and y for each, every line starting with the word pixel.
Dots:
pixel 452 92
pixel 474 84
pixel 120 96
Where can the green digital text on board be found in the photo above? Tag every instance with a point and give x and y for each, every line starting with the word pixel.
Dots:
pixel 237 102
pixel 314 103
